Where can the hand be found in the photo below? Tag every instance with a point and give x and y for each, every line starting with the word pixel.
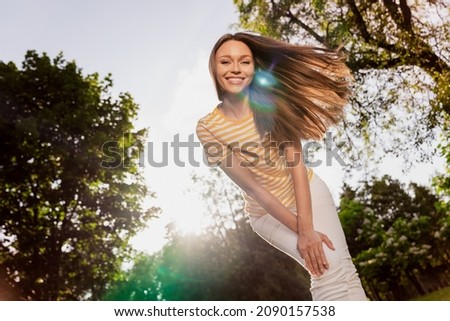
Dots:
pixel 309 245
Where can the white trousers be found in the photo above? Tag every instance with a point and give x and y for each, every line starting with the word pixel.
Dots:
pixel 340 281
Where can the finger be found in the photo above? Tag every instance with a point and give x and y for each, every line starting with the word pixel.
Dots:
pixel 311 270
pixel 308 263
pixel 310 260
pixel 314 263
pixel 323 263
pixel 328 242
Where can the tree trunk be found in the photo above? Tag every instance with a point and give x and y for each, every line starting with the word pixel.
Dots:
pixel 417 284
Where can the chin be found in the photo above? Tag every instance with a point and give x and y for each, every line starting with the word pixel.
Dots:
pixel 236 91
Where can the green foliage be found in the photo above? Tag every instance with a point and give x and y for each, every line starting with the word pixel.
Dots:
pixel 65 220
pixel 398 238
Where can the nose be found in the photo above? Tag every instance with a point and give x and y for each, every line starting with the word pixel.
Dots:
pixel 235 68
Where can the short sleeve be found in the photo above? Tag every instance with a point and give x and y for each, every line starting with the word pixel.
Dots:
pixel 214 150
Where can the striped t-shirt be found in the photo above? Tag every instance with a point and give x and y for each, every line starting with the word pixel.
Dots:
pixel 221 135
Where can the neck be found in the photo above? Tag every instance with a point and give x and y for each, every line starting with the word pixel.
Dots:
pixel 236 106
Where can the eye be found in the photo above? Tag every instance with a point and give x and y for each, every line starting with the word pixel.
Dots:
pixel 224 62
pixel 246 62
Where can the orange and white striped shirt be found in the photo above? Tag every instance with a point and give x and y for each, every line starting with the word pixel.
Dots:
pixel 221 135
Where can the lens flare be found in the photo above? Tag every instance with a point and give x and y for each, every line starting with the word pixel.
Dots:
pixel 264 78
pixel 261 97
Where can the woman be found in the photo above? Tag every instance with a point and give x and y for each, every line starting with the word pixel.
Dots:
pixel 274 94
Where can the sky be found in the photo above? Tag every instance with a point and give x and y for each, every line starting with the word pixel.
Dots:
pixel 158 52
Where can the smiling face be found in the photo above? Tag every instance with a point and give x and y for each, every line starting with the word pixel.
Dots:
pixel 234 67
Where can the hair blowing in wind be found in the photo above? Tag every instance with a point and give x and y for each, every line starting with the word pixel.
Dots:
pixel 297 91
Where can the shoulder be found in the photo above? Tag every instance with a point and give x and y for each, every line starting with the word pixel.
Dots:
pixel 207 131
pixel 208 122
pixel 206 125
pixel 208 118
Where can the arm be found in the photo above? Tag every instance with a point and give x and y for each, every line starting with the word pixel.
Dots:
pixel 309 240
pixel 243 177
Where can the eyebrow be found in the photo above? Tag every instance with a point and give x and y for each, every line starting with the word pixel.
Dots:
pixel 230 56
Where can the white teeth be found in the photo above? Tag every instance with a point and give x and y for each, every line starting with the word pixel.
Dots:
pixel 235 80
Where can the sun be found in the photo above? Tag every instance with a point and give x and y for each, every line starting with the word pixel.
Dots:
pixel 179 206
pixel 188 214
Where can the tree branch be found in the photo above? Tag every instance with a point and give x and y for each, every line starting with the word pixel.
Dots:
pixel 359 21
pixel 402 21
pixel 365 63
pixel 230 205
pixel 406 11
pixel 293 18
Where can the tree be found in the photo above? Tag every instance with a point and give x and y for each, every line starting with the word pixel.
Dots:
pixel 399 53
pixel 69 203
pixel 397 237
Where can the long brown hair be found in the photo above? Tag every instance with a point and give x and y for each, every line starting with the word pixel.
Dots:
pixel 297 91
